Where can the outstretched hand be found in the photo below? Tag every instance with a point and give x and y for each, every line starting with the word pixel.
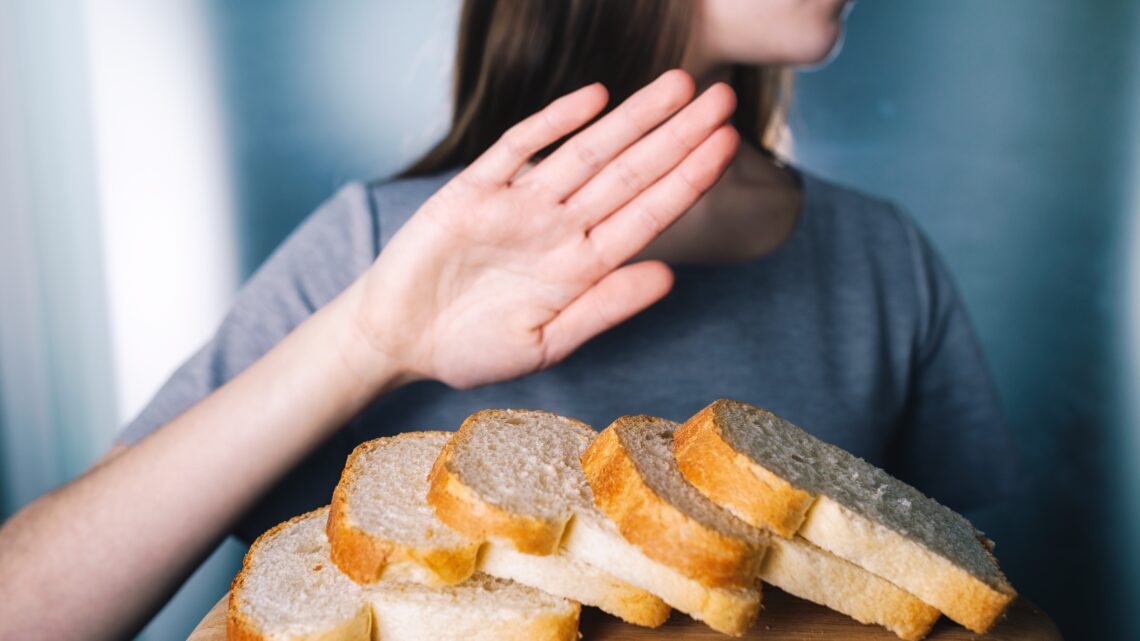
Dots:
pixel 508 268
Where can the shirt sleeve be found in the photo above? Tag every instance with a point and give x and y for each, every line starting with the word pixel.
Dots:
pixel 316 262
pixel 953 441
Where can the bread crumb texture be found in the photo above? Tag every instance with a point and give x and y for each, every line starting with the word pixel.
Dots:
pixel 288 588
pixel 524 461
pixel 387 490
pixel 824 469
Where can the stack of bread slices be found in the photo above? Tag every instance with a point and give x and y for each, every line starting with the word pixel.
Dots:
pixel 504 528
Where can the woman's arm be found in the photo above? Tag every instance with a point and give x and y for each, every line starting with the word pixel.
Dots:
pixel 97 557
pixel 496 276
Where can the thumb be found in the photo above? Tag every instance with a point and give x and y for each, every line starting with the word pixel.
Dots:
pixel 617 296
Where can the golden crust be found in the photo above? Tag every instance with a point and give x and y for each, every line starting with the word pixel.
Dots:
pixel 985 602
pixel 654 525
pixel 973 604
pixel 240 628
pixel 639 607
pixel 364 557
pixel 731 612
pixel 733 480
pixel 461 508
pixel 550 627
pixel 913 621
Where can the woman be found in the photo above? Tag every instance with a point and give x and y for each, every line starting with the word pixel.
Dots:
pixel 488 276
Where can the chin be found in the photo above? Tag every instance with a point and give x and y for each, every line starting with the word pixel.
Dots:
pixel 817 47
pixel 774 32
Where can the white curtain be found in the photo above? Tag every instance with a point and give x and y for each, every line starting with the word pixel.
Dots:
pixel 113 189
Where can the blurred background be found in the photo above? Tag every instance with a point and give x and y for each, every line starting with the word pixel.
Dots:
pixel 153 153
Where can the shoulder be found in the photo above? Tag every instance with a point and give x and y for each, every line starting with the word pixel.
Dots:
pixel 878 238
pixel 394 200
pixel 856 227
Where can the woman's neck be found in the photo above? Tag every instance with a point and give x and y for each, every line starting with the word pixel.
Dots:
pixel 748 213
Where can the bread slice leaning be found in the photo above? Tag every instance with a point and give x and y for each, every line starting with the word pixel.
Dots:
pixel 511 478
pixel 771 473
pixel 380 525
pixel 801 569
pixel 288 588
pixel 635 481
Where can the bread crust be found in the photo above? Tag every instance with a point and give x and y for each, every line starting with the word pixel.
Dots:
pixel 239 627
pixel 635 605
pixel 654 525
pixel 461 508
pixel 365 557
pixel 733 480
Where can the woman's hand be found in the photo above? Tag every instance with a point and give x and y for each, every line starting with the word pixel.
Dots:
pixel 504 272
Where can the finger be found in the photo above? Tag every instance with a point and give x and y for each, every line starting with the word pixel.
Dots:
pixel 617 296
pixel 584 155
pixel 648 160
pixel 509 153
pixel 644 218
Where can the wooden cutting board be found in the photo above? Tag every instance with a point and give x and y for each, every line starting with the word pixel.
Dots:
pixel 784 618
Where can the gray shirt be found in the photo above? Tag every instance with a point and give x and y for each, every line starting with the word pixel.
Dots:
pixel 851 329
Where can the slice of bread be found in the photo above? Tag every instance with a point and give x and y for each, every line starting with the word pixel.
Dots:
pixel 802 569
pixel 771 473
pixel 511 478
pixel 380 525
pixel 482 608
pixel 635 481
pixel 512 474
pixel 288 588
pixel 598 541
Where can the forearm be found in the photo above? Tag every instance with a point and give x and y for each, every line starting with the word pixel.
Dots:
pixel 95 558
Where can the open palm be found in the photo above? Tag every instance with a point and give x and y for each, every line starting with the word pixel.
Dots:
pixel 509 269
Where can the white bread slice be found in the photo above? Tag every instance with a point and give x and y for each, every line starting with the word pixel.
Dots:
pixel 598 541
pixel 289 589
pixel 793 565
pixel 635 481
pixel 771 473
pixel 482 608
pixel 512 478
pixel 802 569
pixel 380 525
pixel 512 474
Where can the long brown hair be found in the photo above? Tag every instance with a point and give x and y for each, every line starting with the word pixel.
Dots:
pixel 516 56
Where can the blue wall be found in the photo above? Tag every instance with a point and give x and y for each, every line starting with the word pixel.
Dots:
pixel 1005 128
pixel 320 93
